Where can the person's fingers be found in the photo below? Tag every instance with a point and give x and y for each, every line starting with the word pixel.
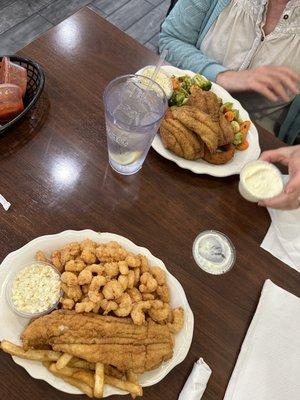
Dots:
pixel 264 90
pixel 282 202
pixel 286 71
pixel 279 90
pixel 280 80
pixel 278 155
pixel 291 85
pixel 293 184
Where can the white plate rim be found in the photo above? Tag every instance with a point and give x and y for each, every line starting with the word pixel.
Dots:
pixel 42 373
pixel 201 166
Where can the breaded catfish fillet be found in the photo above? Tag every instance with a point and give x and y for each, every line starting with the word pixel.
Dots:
pixel 205 101
pixel 108 340
pixel 199 122
pixel 227 134
pixel 181 140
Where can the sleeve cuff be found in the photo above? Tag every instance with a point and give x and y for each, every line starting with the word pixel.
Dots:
pixel 212 70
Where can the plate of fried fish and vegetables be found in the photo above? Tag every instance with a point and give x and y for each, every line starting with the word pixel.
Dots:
pixel 93 313
pixel 204 129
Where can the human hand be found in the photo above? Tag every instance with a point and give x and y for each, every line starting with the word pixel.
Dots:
pixel 289 199
pixel 272 82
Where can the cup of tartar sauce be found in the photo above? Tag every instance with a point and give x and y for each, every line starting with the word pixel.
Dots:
pixel 34 289
pixel 260 180
pixel 214 252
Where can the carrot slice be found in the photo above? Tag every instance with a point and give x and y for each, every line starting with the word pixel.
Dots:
pixel 229 115
pixel 243 146
pixel 175 83
pixel 244 126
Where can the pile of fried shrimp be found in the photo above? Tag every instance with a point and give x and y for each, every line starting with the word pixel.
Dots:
pixel 106 279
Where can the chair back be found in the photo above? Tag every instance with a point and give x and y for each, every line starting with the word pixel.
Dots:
pixel 173 2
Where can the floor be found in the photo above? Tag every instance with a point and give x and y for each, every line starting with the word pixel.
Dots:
pixel 22 21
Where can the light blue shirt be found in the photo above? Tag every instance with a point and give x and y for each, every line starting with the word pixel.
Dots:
pixel 183 32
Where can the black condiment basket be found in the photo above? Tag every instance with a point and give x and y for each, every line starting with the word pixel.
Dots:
pixel 35 86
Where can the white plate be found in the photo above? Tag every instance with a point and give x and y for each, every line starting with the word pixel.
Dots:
pixel 14 325
pixel 240 159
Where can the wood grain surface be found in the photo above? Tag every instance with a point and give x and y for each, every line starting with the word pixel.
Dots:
pixel 57 177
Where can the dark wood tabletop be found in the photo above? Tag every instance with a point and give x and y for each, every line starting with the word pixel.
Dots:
pixel 54 170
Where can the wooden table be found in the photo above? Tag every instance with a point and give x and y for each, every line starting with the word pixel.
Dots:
pixel 58 178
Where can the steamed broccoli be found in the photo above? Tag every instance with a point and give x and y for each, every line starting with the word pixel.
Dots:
pixel 202 82
pixel 235 126
pixel 238 138
pixel 179 98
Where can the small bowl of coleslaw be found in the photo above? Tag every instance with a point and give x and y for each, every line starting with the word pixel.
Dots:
pixel 34 289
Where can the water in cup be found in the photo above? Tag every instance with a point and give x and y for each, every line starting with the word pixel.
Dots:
pixel 134 107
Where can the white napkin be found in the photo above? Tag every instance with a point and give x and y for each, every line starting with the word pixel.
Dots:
pixel 283 237
pixel 196 383
pixel 4 203
pixel 268 366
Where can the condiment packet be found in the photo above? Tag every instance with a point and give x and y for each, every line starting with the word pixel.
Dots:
pixel 6 205
pixel 196 383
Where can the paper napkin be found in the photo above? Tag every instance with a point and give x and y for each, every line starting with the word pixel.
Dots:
pixel 268 366
pixel 196 383
pixel 283 237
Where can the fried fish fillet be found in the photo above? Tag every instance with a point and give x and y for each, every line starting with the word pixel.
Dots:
pixel 227 134
pixel 200 123
pixel 205 101
pixel 223 155
pixel 108 340
pixel 181 140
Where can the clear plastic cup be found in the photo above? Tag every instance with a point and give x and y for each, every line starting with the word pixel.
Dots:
pixel 134 106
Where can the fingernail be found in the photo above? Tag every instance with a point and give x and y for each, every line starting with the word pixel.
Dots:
pixel 289 190
pixel 260 203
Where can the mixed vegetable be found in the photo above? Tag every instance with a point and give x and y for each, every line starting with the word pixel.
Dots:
pixel 182 88
pixel 240 127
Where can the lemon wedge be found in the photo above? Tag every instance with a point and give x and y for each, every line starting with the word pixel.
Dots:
pixel 126 158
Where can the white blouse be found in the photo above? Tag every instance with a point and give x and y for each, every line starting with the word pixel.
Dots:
pixel 237 41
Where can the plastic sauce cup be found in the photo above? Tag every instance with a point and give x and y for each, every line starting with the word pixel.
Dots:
pixel 251 194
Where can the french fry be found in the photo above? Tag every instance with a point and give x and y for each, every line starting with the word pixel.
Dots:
pixel 80 385
pixel 79 363
pixel 37 355
pixel 77 383
pixel 132 377
pixel 124 385
pixel 63 360
pixel 83 375
pixel 99 381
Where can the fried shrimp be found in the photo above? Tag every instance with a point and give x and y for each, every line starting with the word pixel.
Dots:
pixel 112 290
pixel 159 311
pixel 148 283
pixel 94 293
pixel 85 277
pixel 124 305
pixel 108 306
pixel 75 266
pixel 159 275
pixel 138 312
pixel 177 320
